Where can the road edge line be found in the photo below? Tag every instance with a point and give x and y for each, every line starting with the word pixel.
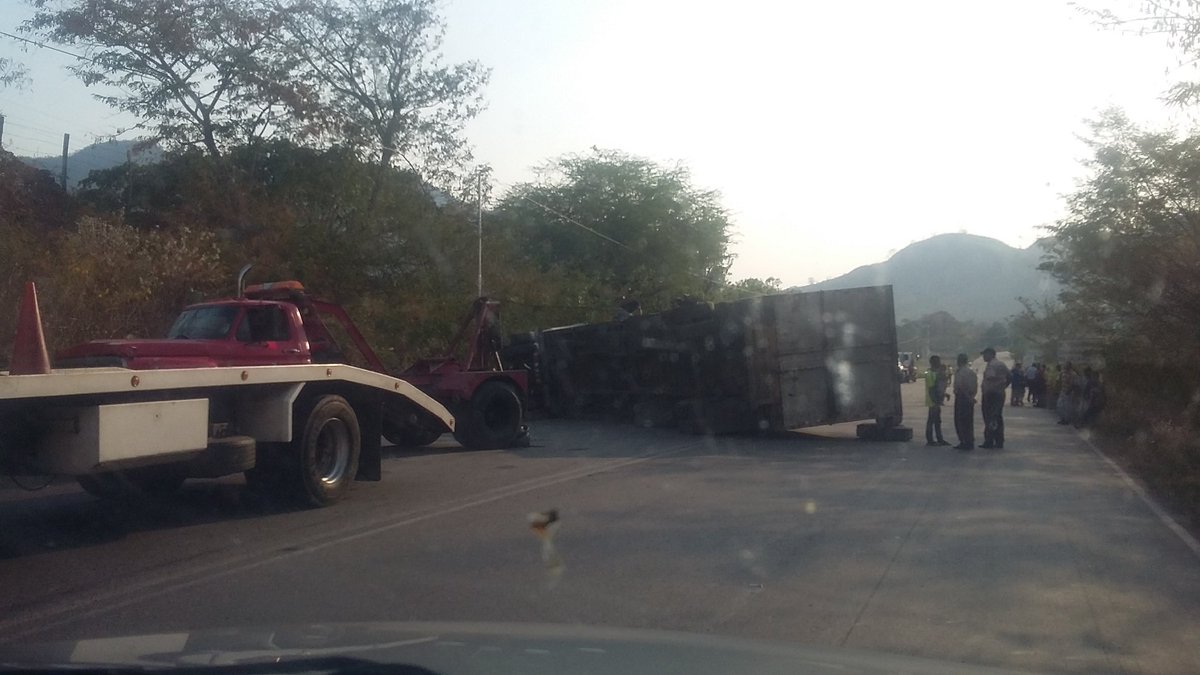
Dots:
pixel 1166 518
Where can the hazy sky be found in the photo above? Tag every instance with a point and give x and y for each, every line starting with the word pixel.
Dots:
pixel 837 132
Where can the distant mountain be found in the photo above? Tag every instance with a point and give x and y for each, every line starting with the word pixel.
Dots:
pixel 94 157
pixel 972 278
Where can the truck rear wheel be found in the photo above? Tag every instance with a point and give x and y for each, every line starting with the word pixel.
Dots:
pixel 492 419
pixel 327 451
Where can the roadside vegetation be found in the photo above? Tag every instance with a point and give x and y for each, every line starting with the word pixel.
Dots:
pixel 324 141
pixel 1128 255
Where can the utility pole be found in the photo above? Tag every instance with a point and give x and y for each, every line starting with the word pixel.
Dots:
pixel 1 131
pixel 66 148
pixel 479 225
pixel 128 181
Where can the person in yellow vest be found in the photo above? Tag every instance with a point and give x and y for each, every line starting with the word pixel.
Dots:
pixel 935 395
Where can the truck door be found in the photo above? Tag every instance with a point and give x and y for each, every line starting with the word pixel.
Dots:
pixel 266 335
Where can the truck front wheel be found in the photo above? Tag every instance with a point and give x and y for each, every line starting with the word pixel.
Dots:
pixel 492 418
pixel 327 451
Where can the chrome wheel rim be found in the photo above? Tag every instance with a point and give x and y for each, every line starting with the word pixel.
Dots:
pixel 332 451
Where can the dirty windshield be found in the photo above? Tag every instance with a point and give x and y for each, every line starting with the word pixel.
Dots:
pixel 637 336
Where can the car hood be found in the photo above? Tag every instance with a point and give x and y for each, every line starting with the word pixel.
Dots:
pixel 138 348
pixel 454 648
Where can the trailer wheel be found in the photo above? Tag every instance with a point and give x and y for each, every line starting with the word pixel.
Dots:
pixel 327 451
pixel 492 419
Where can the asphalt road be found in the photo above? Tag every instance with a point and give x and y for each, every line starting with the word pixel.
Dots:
pixel 1037 557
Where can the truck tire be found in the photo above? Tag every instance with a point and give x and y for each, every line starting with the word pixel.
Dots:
pixel 492 419
pixel 326 451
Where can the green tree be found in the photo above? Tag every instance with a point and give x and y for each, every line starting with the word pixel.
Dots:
pixel 1042 327
pixel 196 71
pixel 377 67
pixel 405 268
pixel 1129 247
pixel 748 287
pixel 622 225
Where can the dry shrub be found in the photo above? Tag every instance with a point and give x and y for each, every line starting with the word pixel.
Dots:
pixel 110 280
pixel 1154 429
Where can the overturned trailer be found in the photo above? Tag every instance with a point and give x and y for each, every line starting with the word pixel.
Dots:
pixel 775 362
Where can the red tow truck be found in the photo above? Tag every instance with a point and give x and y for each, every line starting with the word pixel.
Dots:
pixel 258 383
pixel 282 324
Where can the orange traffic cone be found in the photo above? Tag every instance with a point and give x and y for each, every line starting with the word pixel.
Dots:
pixel 29 346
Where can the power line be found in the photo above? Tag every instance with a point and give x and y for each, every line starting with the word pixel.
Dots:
pixel 576 223
pixel 44 133
pixel 46 45
pixel 41 114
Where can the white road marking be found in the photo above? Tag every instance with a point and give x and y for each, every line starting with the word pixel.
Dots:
pixel 1181 532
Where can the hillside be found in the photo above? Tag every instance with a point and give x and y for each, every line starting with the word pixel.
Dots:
pixel 972 278
pixel 95 157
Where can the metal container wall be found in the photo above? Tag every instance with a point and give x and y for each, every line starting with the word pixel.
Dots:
pixel 778 362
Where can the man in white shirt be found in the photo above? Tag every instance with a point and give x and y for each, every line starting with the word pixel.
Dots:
pixel 966 384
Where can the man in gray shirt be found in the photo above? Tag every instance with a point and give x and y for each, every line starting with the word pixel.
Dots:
pixel 996 379
pixel 966 384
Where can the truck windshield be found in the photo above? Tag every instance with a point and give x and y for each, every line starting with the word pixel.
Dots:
pixel 204 323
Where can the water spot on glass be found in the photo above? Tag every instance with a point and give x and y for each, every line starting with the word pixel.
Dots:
pixel 1155 292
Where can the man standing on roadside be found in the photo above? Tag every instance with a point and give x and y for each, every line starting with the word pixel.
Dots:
pixel 966 384
pixel 935 394
pixel 995 380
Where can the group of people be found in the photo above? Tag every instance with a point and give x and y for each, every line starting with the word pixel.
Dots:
pixel 1080 395
pixel 1028 384
pixel 996 378
pixel 1077 397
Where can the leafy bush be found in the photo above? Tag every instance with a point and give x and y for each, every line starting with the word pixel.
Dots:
pixel 106 279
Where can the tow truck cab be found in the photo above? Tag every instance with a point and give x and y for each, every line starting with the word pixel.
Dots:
pixel 273 324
